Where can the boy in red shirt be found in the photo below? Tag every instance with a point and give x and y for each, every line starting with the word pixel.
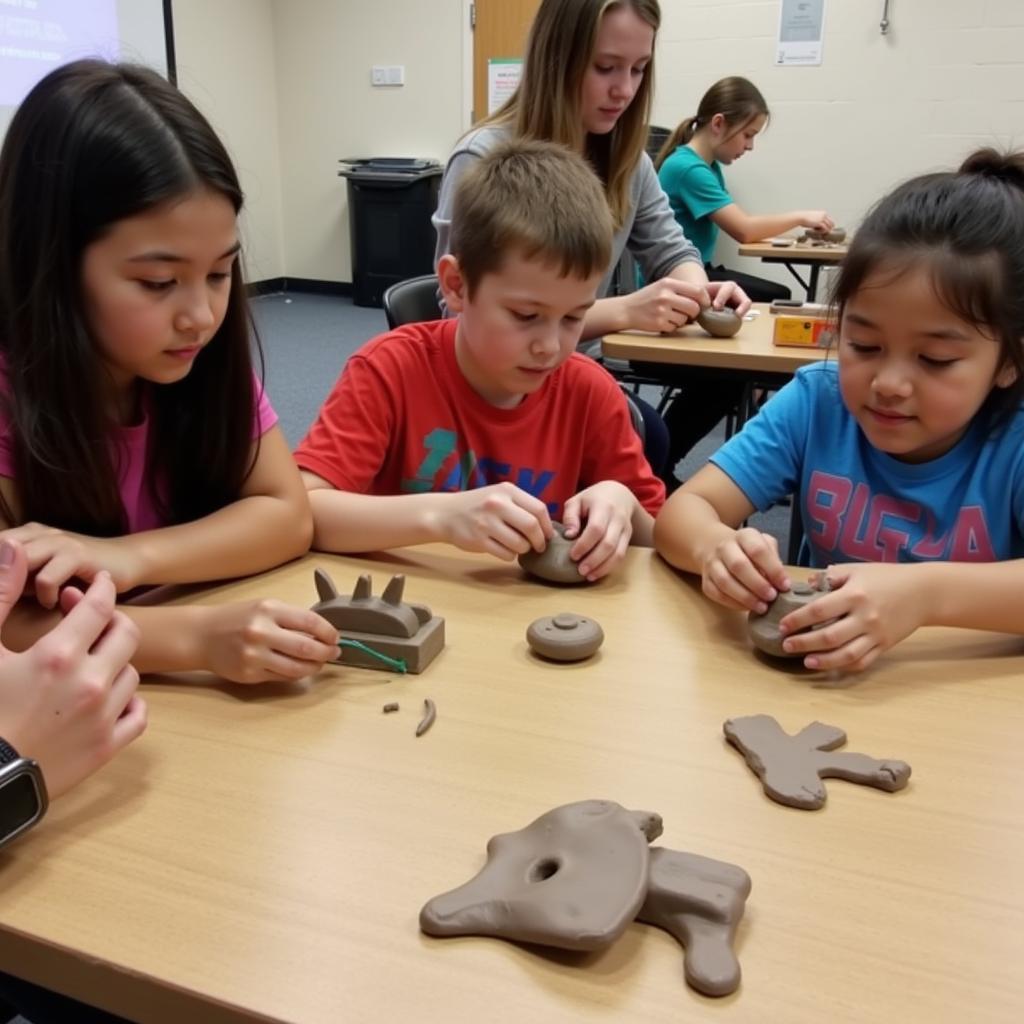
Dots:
pixel 479 430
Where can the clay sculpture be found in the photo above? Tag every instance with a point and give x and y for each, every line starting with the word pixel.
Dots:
pixel 791 768
pixel 700 902
pixel 719 323
pixel 573 879
pixel 553 563
pixel 835 236
pixel 380 632
pixel 763 629
pixel 564 637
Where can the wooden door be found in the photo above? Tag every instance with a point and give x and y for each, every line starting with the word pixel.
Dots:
pixel 500 30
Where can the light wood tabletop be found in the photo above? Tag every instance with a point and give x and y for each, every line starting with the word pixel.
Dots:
pixel 797 253
pixel 262 853
pixel 749 349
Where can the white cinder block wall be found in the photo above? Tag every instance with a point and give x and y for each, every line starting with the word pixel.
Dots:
pixel 288 84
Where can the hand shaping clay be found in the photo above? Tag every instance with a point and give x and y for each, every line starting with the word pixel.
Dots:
pixel 763 630
pixel 553 563
pixel 564 637
pixel 700 902
pixel 720 323
pixel 573 879
pixel 386 625
pixel 791 767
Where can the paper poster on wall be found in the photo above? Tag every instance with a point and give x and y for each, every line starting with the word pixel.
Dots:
pixel 801 30
pixel 503 74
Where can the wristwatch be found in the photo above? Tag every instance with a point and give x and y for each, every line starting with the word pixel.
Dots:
pixel 23 798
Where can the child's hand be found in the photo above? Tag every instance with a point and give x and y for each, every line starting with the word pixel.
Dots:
pixel 728 293
pixel 608 509
pixel 874 605
pixel 265 641
pixel 501 519
pixel 744 570
pixel 817 220
pixel 57 556
pixel 665 305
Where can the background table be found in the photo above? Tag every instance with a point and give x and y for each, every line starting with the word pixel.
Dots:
pixel 814 257
pixel 262 852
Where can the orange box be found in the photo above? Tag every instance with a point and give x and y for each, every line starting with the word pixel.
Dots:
pixel 803 331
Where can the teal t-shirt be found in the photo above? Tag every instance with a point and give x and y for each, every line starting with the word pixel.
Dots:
pixel 695 190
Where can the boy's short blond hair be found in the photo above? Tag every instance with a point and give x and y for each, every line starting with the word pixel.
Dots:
pixel 538 199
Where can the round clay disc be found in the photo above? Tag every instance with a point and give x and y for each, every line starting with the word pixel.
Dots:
pixel 553 563
pixel 564 637
pixel 720 323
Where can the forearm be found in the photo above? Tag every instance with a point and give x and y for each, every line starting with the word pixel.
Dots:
pixel 248 536
pixel 687 527
pixel 348 522
pixel 757 227
pixel 973 595
pixel 643 527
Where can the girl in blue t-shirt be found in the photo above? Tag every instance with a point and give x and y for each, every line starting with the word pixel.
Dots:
pixel 729 117
pixel 908 451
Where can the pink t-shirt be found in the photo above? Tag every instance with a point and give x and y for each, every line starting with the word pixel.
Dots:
pixel 129 444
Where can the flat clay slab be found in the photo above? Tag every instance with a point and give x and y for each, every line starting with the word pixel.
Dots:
pixel 564 637
pixel 719 323
pixel 553 563
pixel 573 879
pixel 763 630
pixel 791 768
pixel 700 902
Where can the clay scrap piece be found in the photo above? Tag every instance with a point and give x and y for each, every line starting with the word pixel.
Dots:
pixel 700 902
pixel 573 879
pixel 553 563
pixel 388 708
pixel 791 767
pixel 719 323
pixel 429 714
pixel 564 637
pixel 763 630
pixel 378 632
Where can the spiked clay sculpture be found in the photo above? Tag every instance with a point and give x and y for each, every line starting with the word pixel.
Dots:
pixel 578 875
pixel 386 625
pixel 791 768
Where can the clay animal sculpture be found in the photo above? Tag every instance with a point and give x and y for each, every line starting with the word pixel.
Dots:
pixel 719 323
pixel 553 563
pixel 700 902
pixel 408 634
pixel 791 768
pixel 573 879
pixel 564 637
pixel 763 629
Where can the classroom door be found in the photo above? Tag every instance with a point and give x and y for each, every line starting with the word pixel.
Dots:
pixel 500 28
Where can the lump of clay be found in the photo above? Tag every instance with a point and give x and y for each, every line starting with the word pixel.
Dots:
pixel 720 323
pixel 700 902
pixel 564 637
pixel 763 630
pixel 791 767
pixel 553 563
pixel 573 879
pixel 835 236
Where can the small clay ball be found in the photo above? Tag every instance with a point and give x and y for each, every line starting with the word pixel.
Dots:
pixel 564 637
pixel 764 629
pixel 553 563
pixel 720 323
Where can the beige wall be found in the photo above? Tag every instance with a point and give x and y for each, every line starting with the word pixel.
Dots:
pixel 948 77
pixel 227 66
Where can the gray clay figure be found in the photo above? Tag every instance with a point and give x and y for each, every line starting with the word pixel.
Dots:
pixel 386 624
pixel 700 902
pixel 553 563
pixel 791 767
pixel 720 323
pixel 564 637
pixel 573 879
pixel 763 630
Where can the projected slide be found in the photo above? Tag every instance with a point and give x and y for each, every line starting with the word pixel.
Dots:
pixel 38 35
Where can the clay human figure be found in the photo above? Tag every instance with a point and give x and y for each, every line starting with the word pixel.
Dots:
pixel 791 768
pixel 553 563
pixel 564 637
pixel 763 629
pixel 573 879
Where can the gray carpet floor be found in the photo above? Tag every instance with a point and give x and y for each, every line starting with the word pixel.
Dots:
pixel 307 338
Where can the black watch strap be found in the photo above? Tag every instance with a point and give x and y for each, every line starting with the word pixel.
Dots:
pixel 7 752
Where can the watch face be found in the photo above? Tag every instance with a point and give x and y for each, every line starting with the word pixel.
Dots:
pixel 21 804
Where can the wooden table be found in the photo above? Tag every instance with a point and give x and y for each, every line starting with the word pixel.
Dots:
pixel 263 852
pixel 814 257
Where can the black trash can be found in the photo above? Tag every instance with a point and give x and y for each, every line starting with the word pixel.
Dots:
pixel 390 203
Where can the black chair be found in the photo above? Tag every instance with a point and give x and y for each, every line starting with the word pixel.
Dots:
pixel 414 301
